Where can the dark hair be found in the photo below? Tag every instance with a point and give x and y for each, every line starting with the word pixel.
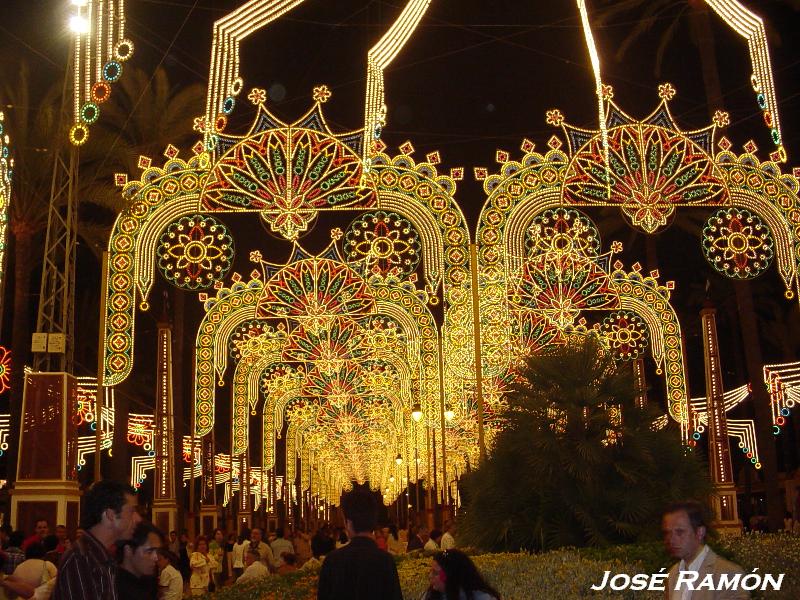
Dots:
pixel 7 529
pixel 50 542
pixel 289 558
pixel 360 507
pixel 139 536
pixel 279 532
pixel 244 534
pixel 462 575
pixel 102 496
pixel 436 534
pixel 342 538
pixel 201 538
pixel 16 539
pixel 35 550
pixel 214 533
pixel 694 510
pixel 168 554
pixel 40 520
pixel 393 530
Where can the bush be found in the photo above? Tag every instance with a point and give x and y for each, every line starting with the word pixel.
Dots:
pixel 568 470
pixel 566 574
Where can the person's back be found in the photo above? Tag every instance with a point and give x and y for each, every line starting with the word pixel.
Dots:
pixel 281 546
pixel 359 571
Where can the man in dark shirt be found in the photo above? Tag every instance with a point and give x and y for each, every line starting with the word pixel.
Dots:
pixel 360 570
pixel 87 570
pixel 136 577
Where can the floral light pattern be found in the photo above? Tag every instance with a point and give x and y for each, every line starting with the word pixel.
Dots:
pixel 737 243
pixel 195 252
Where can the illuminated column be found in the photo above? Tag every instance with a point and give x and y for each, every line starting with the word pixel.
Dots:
pixel 640 381
pixel 165 507
pixel 47 486
pixel 719 456
pixel 245 511
pixel 209 512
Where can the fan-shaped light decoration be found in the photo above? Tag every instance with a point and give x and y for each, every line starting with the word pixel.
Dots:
pixel 289 175
pixel 560 286
pixel 626 334
pixel 329 346
pixel 652 167
pixel 315 289
pixel 5 369
pixel 387 242
pixel 562 230
pixel 738 243
pixel 195 252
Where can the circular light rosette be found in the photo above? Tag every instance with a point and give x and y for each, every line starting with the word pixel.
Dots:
pixel 195 251
pixel 737 243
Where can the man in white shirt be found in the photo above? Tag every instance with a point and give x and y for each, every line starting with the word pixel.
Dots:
pixel 170 582
pixel 280 546
pixel 255 568
pixel 684 529
pixel 448 541
pixel 264 551
pixel 432 545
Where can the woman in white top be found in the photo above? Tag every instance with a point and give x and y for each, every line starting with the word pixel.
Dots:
pixel 454 576
pixel 170 581
pixel 237 554
pixel 393 543
pixel 202 563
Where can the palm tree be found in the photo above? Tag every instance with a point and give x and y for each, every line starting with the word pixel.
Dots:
pixel 649 12
pixel 567 471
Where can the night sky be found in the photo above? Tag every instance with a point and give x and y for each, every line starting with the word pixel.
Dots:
pixel 477 76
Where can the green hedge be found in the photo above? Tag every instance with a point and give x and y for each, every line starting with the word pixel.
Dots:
pixel 562 574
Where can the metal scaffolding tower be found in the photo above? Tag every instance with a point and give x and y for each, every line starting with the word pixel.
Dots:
pixel 53 341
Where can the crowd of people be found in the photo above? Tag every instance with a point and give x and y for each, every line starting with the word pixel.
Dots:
pixel 118 555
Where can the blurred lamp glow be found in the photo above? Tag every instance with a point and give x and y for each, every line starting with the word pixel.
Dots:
pixel 78 24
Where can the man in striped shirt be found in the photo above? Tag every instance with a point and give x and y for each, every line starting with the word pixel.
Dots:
pixel 88 570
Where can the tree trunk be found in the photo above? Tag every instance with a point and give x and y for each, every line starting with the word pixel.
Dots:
pixel 761 404
pixel 20 338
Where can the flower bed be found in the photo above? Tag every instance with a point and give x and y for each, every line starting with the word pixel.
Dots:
pixel 562 574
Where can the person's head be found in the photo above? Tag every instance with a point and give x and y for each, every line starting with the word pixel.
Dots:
pixel 166 557
pixel 111 505
pixel 50 543
pixel 255 534
pixel 360 511
pixel 279 532
pixel 436 535
pixel 201 545
pixel 452 572
pixel 251 556
pixel 16 539
pixel 184 536
pixel 138 555
pixel 244 534
pixel 393 530
pixel 231 538
pixel 684 528
pixel 173 536
pixel 35 550
pixel 219 535
pixel 423 533
pixel 42 528
pixel 61 533
pixel 289 558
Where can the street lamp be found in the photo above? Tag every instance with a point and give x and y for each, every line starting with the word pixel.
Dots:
pixel 399 459
pixel 78 24
pixel 416 412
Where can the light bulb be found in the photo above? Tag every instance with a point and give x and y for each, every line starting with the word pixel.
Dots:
pixel 78 24
pixel 416 412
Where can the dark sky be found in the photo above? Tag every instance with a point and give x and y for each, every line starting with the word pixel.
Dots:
pixel 478 75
